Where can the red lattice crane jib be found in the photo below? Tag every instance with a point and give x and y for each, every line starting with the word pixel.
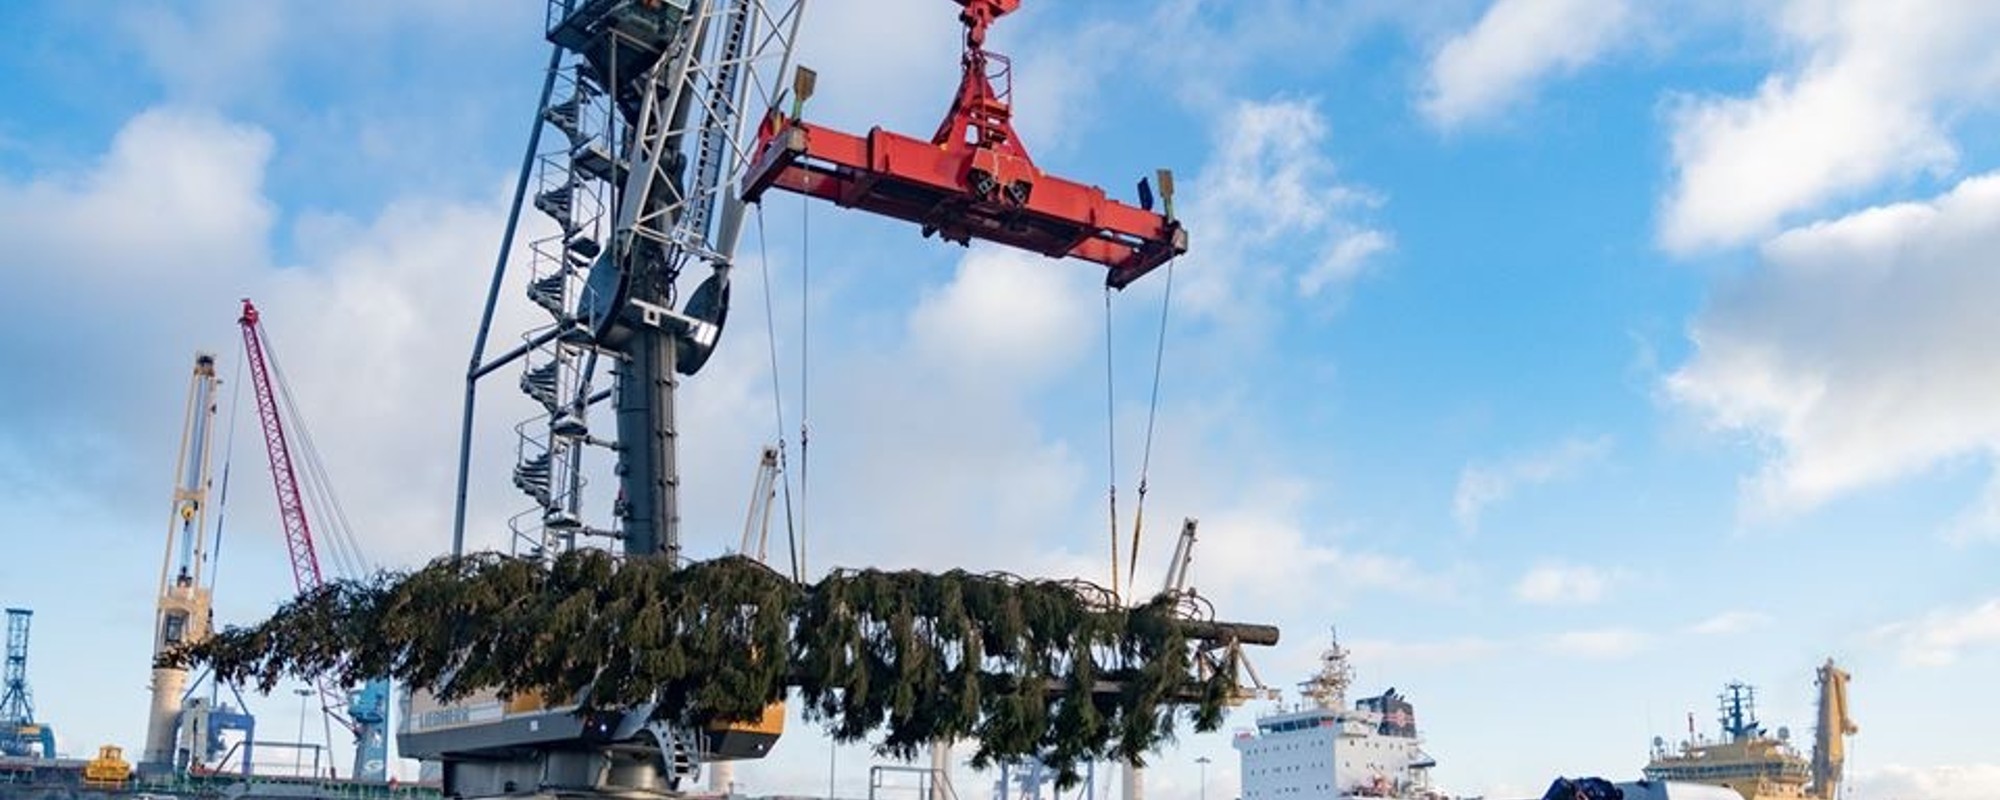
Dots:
pixel 291 504
pixel 973 179
pixel 306 574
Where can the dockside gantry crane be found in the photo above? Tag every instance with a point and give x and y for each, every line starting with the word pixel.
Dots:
pixel 20 733
pixel 670 124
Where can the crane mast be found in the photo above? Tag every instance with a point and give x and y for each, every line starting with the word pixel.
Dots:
pixel 183 615
pixel 648 101
pixel 1829 737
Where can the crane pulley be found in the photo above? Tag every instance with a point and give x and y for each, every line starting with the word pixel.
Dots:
pixel 972 180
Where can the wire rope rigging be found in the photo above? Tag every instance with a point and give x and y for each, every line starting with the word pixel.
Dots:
pixel 1152 416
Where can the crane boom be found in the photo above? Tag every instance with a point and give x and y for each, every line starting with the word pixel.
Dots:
pixel 182 614
pixel 1829 746
pixel 306 574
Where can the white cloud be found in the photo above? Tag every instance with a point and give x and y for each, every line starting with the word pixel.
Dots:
pixel 124 242
pixel 1268 213
pixel 1867 100
pixel 164 234
pixel 892 63
pixel 1516 45
pixel 220 53
pixel 373 330
pixel 1481 484
pixel 909 471
pixel 1260 555
pixel 138 259
pixel 1860 351
pixel 140 215
pixel 1343 260
pixel 1980 521
pixel 208 51
pixel 1941 636
pixel 1601 643
pixel 1008 317
pixel 1730 622
pixel 1562 584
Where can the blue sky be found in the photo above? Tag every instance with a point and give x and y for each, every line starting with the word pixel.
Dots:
pixel 1572 356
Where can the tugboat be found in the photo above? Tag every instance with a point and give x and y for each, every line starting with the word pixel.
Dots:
pixel 1755 764
pixel 1322 749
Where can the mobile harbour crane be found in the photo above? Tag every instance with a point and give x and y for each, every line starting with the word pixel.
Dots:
pixel 657 162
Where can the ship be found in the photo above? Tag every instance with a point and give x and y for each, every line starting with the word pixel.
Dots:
pixel 1323 749
pixel 1755 763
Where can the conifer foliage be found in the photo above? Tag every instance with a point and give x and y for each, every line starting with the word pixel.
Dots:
pixel 1022 668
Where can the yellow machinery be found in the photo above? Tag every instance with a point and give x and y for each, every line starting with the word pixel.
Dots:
pixel 747 739
pixel 108 770
pixel 1829 740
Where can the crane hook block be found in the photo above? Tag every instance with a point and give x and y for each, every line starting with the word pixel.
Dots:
pixel 973 179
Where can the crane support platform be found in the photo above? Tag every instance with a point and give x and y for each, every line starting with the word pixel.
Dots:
pixel 973 179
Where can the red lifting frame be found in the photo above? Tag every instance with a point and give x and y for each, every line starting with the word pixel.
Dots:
pixel 973 179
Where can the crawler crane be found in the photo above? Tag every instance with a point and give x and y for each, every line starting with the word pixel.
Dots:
pixel 365 713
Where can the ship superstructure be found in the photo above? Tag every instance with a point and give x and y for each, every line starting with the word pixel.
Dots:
pixel 1756 764
pixel 1323 749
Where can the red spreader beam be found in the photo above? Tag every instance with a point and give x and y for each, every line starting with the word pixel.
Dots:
pixel 973 179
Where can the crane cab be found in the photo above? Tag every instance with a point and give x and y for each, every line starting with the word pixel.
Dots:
pixel 751 739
